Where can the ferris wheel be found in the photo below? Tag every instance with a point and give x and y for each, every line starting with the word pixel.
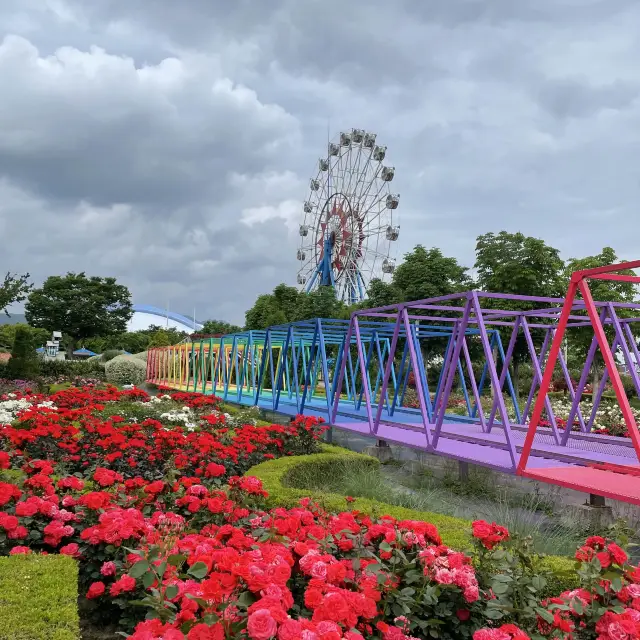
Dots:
pixel 349 224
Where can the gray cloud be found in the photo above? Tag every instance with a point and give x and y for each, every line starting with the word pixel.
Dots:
pixel 170 144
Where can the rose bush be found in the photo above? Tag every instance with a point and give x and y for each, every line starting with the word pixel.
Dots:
pixel 173 542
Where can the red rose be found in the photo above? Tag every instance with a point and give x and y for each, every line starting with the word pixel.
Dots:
pixel 617 554
pixel 481 529
pixel 95 590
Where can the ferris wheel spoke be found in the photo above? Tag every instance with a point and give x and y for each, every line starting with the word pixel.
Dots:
pixel 376 230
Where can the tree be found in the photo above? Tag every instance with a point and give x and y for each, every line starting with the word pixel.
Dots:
pixel 160 338
pixel 518 264
pixel 131 341
pixel 428 273
pixel 603 290
pixel 23 364
pixel 214 327
pixel 15 288
pixel 81 307
pixel 381 294
pixel 278 307
pixel 320 303
pixel 8 335
pixel 521 265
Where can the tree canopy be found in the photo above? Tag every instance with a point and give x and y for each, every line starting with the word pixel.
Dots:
pixel 15 288
pixel 81 307
pixel 219 326
pixel 428 273
pixel 604 290
pixel 8 335
pixel 518 264
pixel 287 304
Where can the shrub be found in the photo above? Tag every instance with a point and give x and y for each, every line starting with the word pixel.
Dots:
pixel 110 355
pixel 70 368
pixel 125 370
pixel 629 387
pixel 39 598
pixel 23 364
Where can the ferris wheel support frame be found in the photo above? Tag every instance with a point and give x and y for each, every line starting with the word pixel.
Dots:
pixel 325 273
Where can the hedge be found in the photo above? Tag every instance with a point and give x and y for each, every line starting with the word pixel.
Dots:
pixel 38 598
pixel 455 532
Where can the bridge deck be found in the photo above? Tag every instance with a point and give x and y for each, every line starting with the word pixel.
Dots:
pixel 463 439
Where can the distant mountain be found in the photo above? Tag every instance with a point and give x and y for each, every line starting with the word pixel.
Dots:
pixel 14 318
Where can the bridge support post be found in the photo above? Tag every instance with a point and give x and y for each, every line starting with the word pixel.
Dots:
pixel 463 471
pixel 594 514
pixel 382 451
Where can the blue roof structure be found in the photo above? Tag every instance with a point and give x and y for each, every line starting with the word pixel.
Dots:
pixel 84 352
pixel 163 313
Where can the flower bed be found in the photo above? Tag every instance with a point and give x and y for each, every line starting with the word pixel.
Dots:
pixel 173 542
pixel 279 478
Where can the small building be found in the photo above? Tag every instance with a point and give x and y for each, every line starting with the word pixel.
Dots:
pixel 51 350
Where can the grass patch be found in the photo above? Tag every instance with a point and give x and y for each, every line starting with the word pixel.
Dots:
pixel 38 598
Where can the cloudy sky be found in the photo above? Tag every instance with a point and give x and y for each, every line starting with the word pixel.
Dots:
pixel 170 143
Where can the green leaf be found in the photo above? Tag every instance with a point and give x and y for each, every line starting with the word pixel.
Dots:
pixel 499 588
pixel 176 559
pixel 162 567
pixel 148 579
pixel 199 570
pixel 385 546
pixel 493 614
pixel 577 606
pixel 139 569
pixel 538 582
pixel 373 568
pixel 544 614
pixel 171 592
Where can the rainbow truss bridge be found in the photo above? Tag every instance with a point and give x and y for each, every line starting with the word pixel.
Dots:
pixel 389 373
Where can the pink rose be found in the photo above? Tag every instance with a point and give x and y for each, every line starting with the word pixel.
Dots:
pixel 616 631
pixel 632 613
pixel 108 569
pixel 444 576
pixel 634 590
pixel 319 570
pixel 261 625
pixel 471 594
pixel 326 626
